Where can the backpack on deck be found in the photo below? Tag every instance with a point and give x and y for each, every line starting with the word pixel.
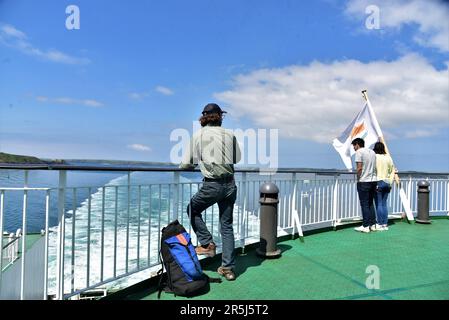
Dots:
pixel 184 276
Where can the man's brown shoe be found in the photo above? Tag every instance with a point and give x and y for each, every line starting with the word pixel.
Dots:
pixel 209 250
pixel 227 273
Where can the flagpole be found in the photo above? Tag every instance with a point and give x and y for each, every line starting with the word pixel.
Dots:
pixel 381 139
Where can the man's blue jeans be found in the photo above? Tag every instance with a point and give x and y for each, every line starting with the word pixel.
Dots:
pixel 367 191
pixel 383 189
pixel 224 194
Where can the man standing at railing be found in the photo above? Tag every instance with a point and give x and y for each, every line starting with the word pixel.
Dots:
pixel 216 151
pixel 365 159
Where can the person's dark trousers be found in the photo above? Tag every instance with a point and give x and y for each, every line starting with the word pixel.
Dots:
pixel 367 191
pixel 383 189
pixel 224 194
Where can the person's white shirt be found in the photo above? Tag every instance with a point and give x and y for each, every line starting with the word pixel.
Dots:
pixel 368 159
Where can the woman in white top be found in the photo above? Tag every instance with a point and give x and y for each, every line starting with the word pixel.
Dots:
pixel 385 174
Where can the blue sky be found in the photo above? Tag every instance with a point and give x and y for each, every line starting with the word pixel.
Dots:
pixel 136 70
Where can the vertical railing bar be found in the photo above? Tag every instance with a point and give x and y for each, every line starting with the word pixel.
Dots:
pixel 169 204
pixel 2 202
pixel 190 210
pixel 285 202
pixel 239 190
pixel 255 201
pixel 23 253
pixel 89 208
pixel 115 231
pixel 128 203
pixel 47 214
pixel 320 202
pixel 302 214
pixel 60 240
pixel 149 227
pixel 283 193
pixel 242 230
pixel 103 199
pixel 347 197
pixel 212 221
pixel 314 202
pixel 292 201
pixel 278 183
pixel 247 215
pixel 447 196
pixel 182 204
pixel 176 195
pixel 326 197
pixel 335 203
pixel 24 234
pixel 73 240
pixel 159 219
pixel 352 200
pixel 139 196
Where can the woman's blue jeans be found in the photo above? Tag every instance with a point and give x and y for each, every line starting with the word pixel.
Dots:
pixel 383 189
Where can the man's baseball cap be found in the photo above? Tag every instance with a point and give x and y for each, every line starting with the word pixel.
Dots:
pixel 212 108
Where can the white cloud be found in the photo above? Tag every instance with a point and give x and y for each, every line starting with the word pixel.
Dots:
pixel 138 95
pixel 10 31
pixel 139 147
pixel 431 18
pixel 164 90
pixel 92 103
pixel 420 133
pixel 14 38
pixel 317 101
pixel 71 101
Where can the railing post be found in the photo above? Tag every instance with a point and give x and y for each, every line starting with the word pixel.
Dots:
pixel 335 203
pixel 176 180
pixel 243 216
pixel 292 201
pixel 2 199
pixel 47 214
pixel 128 204
pixel 60 242
pixel 447 196
pixel 24 232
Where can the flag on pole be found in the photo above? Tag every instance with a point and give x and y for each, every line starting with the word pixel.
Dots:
pixel 363 126
pixel 366 126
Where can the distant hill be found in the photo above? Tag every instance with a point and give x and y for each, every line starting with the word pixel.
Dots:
pixel 12 158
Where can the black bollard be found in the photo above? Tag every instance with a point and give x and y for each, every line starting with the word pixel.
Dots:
pixel 423 202
pixel 269 193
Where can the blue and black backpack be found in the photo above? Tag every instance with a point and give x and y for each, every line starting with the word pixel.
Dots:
pixel 184 276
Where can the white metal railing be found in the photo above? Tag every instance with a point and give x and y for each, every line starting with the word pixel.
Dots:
pixel 115 232
pixel 10 250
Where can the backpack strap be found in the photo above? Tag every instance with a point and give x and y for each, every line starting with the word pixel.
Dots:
pixel 162 286
pixel 160 273
pixel 213 280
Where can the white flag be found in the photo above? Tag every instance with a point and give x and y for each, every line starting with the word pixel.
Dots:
pixel 363 126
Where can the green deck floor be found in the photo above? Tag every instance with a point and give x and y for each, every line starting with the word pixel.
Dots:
pixel 413 261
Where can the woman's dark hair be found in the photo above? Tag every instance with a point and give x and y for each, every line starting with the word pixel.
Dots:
pixel 211 119
pixel 379 148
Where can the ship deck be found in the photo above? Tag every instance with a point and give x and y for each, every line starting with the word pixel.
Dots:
pixel 412 261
